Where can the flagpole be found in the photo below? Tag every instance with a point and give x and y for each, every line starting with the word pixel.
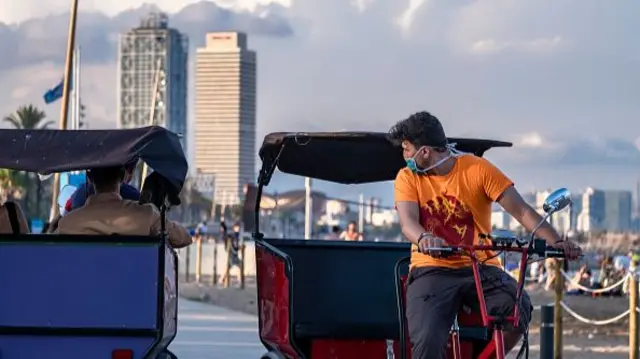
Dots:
pixel 152 112
pixel 76 89
pixel 64 107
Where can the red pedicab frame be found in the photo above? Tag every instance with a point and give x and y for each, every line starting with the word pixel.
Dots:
pixel 340 157
pixel 500 244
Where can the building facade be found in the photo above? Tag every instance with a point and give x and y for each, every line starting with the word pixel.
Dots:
pixel 618 211
pixel 225 113
pixel 592 216
pixel 152 76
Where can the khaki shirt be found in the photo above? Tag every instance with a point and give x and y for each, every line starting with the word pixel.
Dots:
pixel 5 224
pixel 108 213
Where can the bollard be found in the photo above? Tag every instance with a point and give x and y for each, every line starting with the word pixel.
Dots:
pixel 557 311
pixel 242 250
pixel 633 316
pixel 187 255
pixel 227 273
pixel 198 259
pixel 546 331
pixel 214 277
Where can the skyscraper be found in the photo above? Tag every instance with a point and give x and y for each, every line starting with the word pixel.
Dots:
pixel 225 113
pixel 618 210
pixel 636 213
pixel 152 76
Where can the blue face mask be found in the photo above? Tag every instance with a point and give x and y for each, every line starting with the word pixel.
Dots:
pixel 412 165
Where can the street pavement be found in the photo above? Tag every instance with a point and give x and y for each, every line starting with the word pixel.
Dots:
pixel 209 332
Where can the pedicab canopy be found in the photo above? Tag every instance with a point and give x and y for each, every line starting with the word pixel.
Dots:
pixel 50 151
pixel 345 157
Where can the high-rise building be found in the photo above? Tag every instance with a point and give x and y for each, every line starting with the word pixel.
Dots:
pixel 618 208
pixel 592 215
pixel 637 201
pixel 225 113
pixel 152 76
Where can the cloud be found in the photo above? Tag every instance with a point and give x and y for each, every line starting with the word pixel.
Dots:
pixel 491 46
pixel 44 39
pixel 486 68
pixel 532 149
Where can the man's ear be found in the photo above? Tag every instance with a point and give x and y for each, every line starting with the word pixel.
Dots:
pixel 425 152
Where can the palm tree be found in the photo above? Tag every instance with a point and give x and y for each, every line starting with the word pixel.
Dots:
pixel 29 117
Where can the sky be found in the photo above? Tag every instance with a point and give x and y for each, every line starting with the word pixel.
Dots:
pixel 559 79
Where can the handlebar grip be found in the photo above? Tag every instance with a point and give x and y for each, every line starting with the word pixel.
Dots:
pixel 554 253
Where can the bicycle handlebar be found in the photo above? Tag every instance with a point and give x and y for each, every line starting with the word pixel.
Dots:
pixel 539 247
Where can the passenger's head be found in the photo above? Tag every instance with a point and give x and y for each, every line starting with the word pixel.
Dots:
pixel 236 227
pixel 129 170
pixel 335 230
pixel 422 138
pixel 106 179
pixel 351 227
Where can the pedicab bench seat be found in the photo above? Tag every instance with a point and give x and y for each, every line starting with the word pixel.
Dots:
pixel 345 290
pixel 85 296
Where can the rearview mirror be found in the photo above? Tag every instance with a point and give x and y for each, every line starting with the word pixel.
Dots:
pixel 557 201
pixel 65 193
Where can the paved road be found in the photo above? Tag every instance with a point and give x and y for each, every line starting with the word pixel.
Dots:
pixel 210 332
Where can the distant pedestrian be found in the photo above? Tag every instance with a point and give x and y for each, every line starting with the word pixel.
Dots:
pixel 351 234
pixel 202 230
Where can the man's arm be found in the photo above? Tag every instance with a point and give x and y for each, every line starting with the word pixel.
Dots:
pixel 499 188
pixel 409 216
pixel 179 237
pixel 406 199
pixel 516 206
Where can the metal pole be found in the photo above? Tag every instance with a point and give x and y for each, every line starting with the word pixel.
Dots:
pixel 152 112
pixel 187 255
pixel 546 332
pixel 557 311
pixel 227 273
pixel 223 205
pixel 361 214
pixel 214 276
pixel 198 258
pixel 633 317
pixel 76 89
pixel 64 108
pixel 242 268
pixel 308 209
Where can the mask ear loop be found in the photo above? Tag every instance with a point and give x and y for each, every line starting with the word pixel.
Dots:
pixel 454 151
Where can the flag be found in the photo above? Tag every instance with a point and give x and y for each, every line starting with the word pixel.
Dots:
pixel 54 94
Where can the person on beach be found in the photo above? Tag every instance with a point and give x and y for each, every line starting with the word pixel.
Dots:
pixel 582 279
pixel 351 233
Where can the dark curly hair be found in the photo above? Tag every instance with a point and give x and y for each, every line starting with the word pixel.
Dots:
pixel 420 129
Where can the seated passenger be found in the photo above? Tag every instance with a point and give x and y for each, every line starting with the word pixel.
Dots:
pixel 105 212
pixel 12 219
pixel 127 191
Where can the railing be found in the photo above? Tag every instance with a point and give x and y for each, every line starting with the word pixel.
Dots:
pixel 210 260
pixel 559 305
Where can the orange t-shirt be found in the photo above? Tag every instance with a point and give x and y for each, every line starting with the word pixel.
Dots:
pixel 455 207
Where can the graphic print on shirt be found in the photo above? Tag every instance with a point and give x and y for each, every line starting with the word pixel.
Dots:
pixel 448 218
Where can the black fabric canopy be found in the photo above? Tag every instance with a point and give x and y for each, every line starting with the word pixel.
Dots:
pixel 345 157
pixel 51 151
